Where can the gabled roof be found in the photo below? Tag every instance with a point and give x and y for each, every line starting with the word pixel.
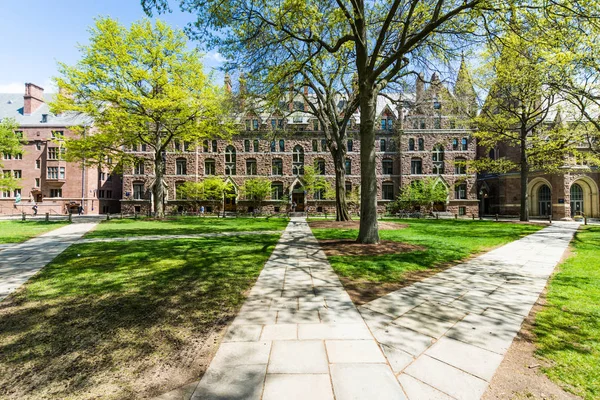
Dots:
pixel 11 106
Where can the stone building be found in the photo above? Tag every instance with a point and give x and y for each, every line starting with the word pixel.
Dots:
pixel 46 179
pixel 420 135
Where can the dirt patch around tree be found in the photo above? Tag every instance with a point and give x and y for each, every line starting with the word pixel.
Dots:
pixel 350 247
pixel 383 225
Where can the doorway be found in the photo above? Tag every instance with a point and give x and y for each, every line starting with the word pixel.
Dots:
pixel 576 200
pixel 298 197
pixel 230 201
pixel 545 201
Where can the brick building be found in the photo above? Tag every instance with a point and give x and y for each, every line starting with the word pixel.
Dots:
pixel 45 178
pixel 420 136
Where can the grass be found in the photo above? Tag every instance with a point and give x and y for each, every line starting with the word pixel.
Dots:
pixel 124 320
pixel 184 226
pixel 567 330
pixel 20 231
pixel 445 241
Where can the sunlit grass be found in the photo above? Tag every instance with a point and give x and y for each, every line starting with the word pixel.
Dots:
pixel 20 231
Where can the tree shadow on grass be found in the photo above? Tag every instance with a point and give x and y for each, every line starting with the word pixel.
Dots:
pixel 105 316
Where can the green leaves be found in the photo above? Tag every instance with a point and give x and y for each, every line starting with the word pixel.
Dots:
pixel 421 193
pixel 11 145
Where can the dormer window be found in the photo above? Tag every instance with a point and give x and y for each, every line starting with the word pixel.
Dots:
pixel 44 118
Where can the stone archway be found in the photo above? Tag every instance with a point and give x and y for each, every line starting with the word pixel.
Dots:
pixel 583 197
pixel 540 197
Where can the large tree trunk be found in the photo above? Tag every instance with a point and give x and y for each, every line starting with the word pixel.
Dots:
pixel 368 232
pixel 158 189
pixel 341 207
pixel 524 212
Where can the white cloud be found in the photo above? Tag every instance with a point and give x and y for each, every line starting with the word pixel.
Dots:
pixel 12 87
pixel 215 56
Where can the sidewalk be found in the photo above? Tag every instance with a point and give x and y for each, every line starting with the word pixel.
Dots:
pixel 21 261
pixel 298 336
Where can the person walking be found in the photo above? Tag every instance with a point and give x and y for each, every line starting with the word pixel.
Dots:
pixel 35 208
pixel 294 206
pixel 202 211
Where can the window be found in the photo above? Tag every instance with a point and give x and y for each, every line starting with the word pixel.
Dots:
pixel 100 194
pixel 214 146
pixel 492 154
pixel 464 144
pixel 416 166
pixel 230 159
pixel 298 161
pixel 52 153
pixel 101 176
pixel 421 144
pixel 437 157
pixel 58 134
pixel 177 145
pixel 460 166
pixel 280 123
pixel 38 164
pixel 6 193
pixel 18 156
pixel 179 191
pixel 247 124
pixel 17 192
pixel 319 194
pixel 387 191
pixel 138 168
pixel 6 156
pixel 455 144
pixel 144 147
pixel 38 145
pixel 251 166
pixel 390 124
pixel 411 144
pixel 138 191
pixel 273 123
pixel 460 191
pixel 383 124
pixel 61 173
pixel 134 147
pixel 109 178
pixel 386 124
pixel 387 167
pixel 276 191
pixel 315 145
pixel 209 166
pixel 109 193
pixel 246 145
pixel 17 173
pixel 348 188
pixel 255 145
pixel 37 182
pixel 255 124
pixel 320 167
pixel 462 210
pixel 56 192
pixel 422 124
pixel 323 145
pixel 186 146
pixel 382 145
pixel 19 134
pixel 316 125
pixel 392 144
pixel 52 173
pixel 281 145
pixel 205 146
pixel 348 166
pixel 277 166
pixel 350 145
pixel 181 166
pixel 273 146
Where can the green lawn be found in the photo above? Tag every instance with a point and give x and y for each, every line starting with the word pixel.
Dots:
pixel 184 226
pixel 444 241
pixel 568 328
pixel 20 231
pixel 124 320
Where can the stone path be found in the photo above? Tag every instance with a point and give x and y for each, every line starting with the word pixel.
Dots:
pixel 21 261
pixel 298 336
pixel 446 335
pixel 166 237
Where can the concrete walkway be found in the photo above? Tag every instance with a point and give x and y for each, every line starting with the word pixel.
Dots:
pixel 167 237
pixel 446 335
pixel 298 336
pixel 21 261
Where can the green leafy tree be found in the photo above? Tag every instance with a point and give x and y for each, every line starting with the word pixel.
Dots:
pixel 212 190
pixel 140 86
pixel 9 144
pixel 256 190
pixel 422 194
pixel 517 106
pixel 316 185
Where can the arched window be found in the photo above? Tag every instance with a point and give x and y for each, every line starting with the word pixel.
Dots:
pixel 411 144
pixel 421 144
pixel 320 166
pixel 273 148
pixel 348 166
pixel 416 166
pixel 437 157
pixel 209 167
pixel 230 160
pixel 387 167
pixel 281 145
pixel 298 161
pixel 460 166
pixel 382 145
pixel 181 166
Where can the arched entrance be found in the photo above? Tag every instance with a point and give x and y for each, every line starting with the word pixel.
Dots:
pixel 230 196
pixel 544 201
pixel 576 200
pixel 298 196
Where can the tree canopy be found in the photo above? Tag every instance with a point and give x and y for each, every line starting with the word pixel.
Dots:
pixel 140 85
pixel 10 144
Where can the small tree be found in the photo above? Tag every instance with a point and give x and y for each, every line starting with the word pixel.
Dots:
pixel 10 144
pixel 140 86
pixel 257 190
pixel 210 190
pixel 317 186
pixel 423 194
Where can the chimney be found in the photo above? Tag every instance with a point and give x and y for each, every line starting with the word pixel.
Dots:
pixel 227 83
pixel 420 91
pixel 34 98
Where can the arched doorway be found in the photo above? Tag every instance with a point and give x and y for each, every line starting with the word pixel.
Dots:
pixel 544 201
pixel 298 197
pixel 576 200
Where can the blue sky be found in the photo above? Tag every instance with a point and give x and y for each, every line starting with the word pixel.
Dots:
pixel 38 33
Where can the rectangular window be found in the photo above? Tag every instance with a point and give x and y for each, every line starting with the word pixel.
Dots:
pixel 18 156
pixel 139 168
pixel 144 147
pixel 6 193
pixel 61 173
pixel 389 124
pixel 277 166
pixel 55 192
pixel 52 173
pixel 100 194
pixel 247 145
pixel 422 123
pixel 138 191
pixel 37 182
pixel 387 167
pixel 6 156
pixel 255 145
pixel 17 192
pixel 38 145
pixel 348 166
pixel 464 144
pixel 383 124
pixel 320 167
pixel 209 167
pixel 350 145
pixel 462 210
pixel 255 124
pixel 276 191
pixel 382 145
pixel 247 124
pixel 250 167
pixel 323 145
pixel 454 144
pixel 315 145
pixel 416 167
pixel 52 153
pixel 58 134
pixel 17 173
pixel 214 146
pixel 348 188
pixel 316 125
pixel 273 123
pixel 181 167
pixel 460 167
pixel 387 191
pixel 109 194
pixel 186 146
pixel 460 191
pixel 177 145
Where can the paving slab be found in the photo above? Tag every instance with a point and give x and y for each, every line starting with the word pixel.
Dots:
pixel 298 387
pixel 365 382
